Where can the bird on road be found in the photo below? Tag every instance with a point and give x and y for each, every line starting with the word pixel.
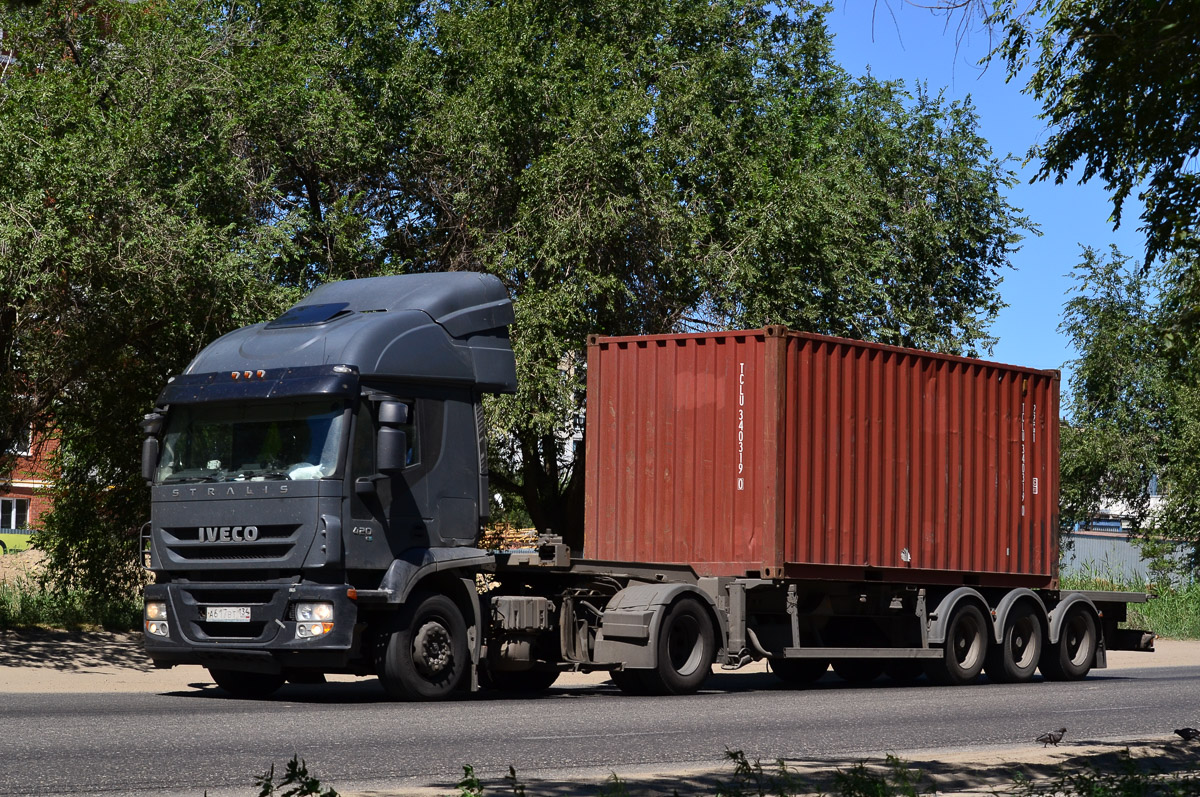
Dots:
pixel 1052 737
pixel 1188 734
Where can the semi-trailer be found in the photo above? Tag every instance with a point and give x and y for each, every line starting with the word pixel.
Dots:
pixel 319 484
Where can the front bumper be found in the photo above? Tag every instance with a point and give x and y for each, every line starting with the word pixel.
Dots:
pixel 267 642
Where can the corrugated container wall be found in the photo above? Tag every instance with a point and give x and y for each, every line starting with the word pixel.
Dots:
pixel 784 454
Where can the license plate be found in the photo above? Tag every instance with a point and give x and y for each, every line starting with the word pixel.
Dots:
pixel 227 614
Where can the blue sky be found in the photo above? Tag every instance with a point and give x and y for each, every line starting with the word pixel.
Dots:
pixel 913 44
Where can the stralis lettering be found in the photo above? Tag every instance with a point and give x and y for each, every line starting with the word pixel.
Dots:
pixel 228 533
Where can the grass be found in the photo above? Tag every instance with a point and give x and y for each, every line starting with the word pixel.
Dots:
pixel 27 603
pixel 1172 612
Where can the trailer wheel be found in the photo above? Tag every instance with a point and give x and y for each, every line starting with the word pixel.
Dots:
pixel 686 650
pixel 247 685
pixel 858 671
pixel 963 651
pixel 1016 658
pixel 1071 657
pixel 799 672
pixel 425 657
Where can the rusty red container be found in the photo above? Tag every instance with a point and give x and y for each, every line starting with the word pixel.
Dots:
pixel 788 455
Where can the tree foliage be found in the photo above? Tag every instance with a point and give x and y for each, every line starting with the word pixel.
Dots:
pixel 178 168
pixel 1116 80
pixel 1133 416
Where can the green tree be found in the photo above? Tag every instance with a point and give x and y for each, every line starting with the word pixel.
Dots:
pixel 1132 418
pixel 1116 81
pixel 177 168
pixel 639 166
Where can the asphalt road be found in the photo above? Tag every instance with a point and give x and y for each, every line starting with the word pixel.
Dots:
pixel 197 740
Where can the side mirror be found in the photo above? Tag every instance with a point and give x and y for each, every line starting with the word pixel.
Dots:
pixel 152 423
pixel 391 450
pixel 149 458
pixel 391 444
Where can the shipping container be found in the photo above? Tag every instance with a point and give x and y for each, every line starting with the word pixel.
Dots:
pixel 775 453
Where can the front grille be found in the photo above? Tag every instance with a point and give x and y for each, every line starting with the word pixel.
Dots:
pixel 193 544
pixel 264 603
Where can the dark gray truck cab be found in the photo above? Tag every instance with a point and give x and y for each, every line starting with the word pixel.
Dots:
pixel 308 474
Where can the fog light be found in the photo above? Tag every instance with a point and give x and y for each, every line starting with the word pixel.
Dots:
pixel 310 630
pixel 156 610
pixel 157 628
pixel 309 612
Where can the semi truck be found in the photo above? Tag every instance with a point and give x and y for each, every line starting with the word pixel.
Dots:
pixel 319 484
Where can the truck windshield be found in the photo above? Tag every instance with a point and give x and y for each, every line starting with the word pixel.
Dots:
pixel 251 442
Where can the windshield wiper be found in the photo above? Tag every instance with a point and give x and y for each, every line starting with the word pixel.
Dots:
pixel 191 479
pixel 267 474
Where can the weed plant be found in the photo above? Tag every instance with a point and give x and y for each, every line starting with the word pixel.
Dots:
pixel 1173 610
pixel 26 603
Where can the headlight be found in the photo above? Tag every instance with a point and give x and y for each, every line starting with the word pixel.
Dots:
pixel 313 619
pixel 314 612
pixel 156 618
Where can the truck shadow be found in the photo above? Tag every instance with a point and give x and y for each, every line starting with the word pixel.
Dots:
pixel 368 689
pixel 69 651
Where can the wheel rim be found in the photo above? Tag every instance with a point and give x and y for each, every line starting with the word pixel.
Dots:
pixel 1076 642
pixel 433 653
pixel 685 645
pixel 968 643
pixel 1023 647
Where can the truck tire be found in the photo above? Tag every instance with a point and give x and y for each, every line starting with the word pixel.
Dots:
pixel 1071 657
pixel 963 651
pixel 686 650
pixel 425 656
pixel 247 685
pixel 518 680
pixel 799 672
pixel 858 671
pixel 1016 658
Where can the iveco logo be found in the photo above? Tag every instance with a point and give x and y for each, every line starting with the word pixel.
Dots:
pixel 228 533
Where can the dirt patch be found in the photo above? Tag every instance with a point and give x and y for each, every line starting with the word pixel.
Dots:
pixel 21 566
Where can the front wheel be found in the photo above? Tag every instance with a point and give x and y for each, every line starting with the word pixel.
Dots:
pixel 963 651
pixel 1071 657
pixel 686 650
pixel 425 657
pixel 247 685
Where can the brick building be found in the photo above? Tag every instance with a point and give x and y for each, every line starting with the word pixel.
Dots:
pixel 22 492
